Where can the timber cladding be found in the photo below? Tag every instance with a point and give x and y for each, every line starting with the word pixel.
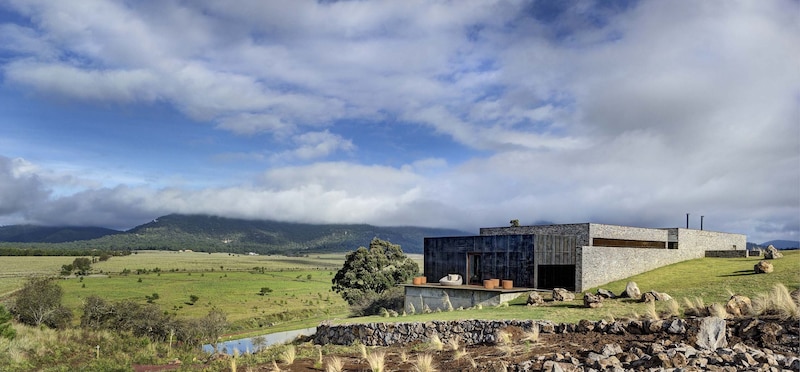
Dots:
pixel 505 257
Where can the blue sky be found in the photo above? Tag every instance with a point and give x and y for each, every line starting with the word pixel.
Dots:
pixel 428 113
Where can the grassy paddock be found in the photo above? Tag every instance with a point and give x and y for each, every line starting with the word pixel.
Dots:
pixel 713 279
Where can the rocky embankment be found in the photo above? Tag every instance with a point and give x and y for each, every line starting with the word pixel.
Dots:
pixel 692 344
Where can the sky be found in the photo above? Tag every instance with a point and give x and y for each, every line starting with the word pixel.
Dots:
pixel 456 114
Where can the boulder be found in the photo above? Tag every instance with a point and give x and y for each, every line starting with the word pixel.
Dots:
pixel 711 335
pixel 632 291
pixel 772 253
pixel 739 306
pixel 605 293
pixel 561 294
pixel 592 301
pixel 535 299
pixel 653 296
pixel 763 267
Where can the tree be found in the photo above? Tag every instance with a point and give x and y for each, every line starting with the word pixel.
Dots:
pixel 369 272
pixel 6 330
pixel 66 270
pixel 39 303
pixel 82 265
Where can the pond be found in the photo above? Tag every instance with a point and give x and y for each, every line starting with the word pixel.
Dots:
pixel 252 344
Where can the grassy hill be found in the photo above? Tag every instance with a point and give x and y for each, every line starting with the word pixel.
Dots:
pixel 51 234
pixel 218 234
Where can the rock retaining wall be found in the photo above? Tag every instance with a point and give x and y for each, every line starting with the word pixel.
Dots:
pixel 473 332
pixel 728 254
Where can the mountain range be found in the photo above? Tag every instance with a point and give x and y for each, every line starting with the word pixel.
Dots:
pixel 219 234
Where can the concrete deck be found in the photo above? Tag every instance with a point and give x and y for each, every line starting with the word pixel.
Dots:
pixel 434 296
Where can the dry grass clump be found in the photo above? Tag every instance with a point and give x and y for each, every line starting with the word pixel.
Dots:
pixel 503 338
pixel 435 343
pixel 424 363
pixel 650 311
pixel 696 307
pixel 717 310
pixel 673 308
pixel 377 361
pixel 777 302
pixel 289 354
pixel 334 364
pixel 453 343
pixel 460 353
pixel 532 335
pixel 403 356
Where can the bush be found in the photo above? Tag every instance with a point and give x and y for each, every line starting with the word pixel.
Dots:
pixel 391 299
pixel 39 303
pixel 367 273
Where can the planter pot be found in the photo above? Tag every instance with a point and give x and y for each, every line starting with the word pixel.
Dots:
pixel 416 280
pixel 508 284
pixel 488 284
pixel 423 279
pixel 496 283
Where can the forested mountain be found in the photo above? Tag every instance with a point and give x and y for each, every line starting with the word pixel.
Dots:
pixel 219 234
pixel 51 234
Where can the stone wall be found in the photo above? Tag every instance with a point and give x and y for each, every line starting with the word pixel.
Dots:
pixel 597 230
pixel 601 265
pixel 728 254
pixel 578 230
pixel 711 240
pixel 477 331
pixel 444 298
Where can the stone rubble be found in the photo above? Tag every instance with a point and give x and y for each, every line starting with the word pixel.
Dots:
pixel 691 344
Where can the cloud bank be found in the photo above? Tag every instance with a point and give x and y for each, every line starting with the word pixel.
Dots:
pixel 616 112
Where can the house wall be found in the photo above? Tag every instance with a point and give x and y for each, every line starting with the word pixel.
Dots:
pixel 601 265
pixel 627 233
pixel 507 257
pixel 579 230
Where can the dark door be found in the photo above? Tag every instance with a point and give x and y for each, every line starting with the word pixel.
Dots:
pixel 556 276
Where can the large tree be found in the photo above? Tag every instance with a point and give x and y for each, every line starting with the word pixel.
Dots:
pixel 369 272
pixel 39 303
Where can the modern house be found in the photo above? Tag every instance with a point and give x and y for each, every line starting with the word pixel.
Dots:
pixel 572 256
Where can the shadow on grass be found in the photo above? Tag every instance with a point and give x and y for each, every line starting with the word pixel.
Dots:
pixel 739 273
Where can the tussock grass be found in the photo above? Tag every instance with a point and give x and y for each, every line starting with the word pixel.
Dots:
pixel 503 338
pixel 718 311
pixel 424 363
pixel 289 354
pixel 673 308
pixel 403 356
pixel 532 335
pixel 334 364
pixel 777 302
pixel 377 360
pixel 453 343
pixel 460 354
pixel 435 343
pixel 650 311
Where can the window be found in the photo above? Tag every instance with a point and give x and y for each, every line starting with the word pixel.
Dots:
pixel 474 272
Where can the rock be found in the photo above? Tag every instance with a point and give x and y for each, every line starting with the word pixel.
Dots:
pixel 611 349
pixel 739 306
pixel 592 301
pixel 551 366
pixel 762 267
pixel 561 294
pixel 535 299
pixel 605 293
pixel 655 296
pixel 711 335
pixel 632 291
pixel 772 253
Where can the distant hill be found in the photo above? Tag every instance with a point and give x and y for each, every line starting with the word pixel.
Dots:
pixel 51 234
pixel 219 234
pixel 782 244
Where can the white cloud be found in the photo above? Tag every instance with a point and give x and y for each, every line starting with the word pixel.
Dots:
pixel 635 116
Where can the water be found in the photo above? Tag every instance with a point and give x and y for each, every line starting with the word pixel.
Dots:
pixel 246 345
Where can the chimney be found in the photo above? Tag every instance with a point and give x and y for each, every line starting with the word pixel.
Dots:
pixel 701 222
pixel 687 220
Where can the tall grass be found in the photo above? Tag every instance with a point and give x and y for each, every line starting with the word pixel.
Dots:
pixel 289 354
pixel 334 364
pixel 777 302
pixel 424 363
pixel 377 360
